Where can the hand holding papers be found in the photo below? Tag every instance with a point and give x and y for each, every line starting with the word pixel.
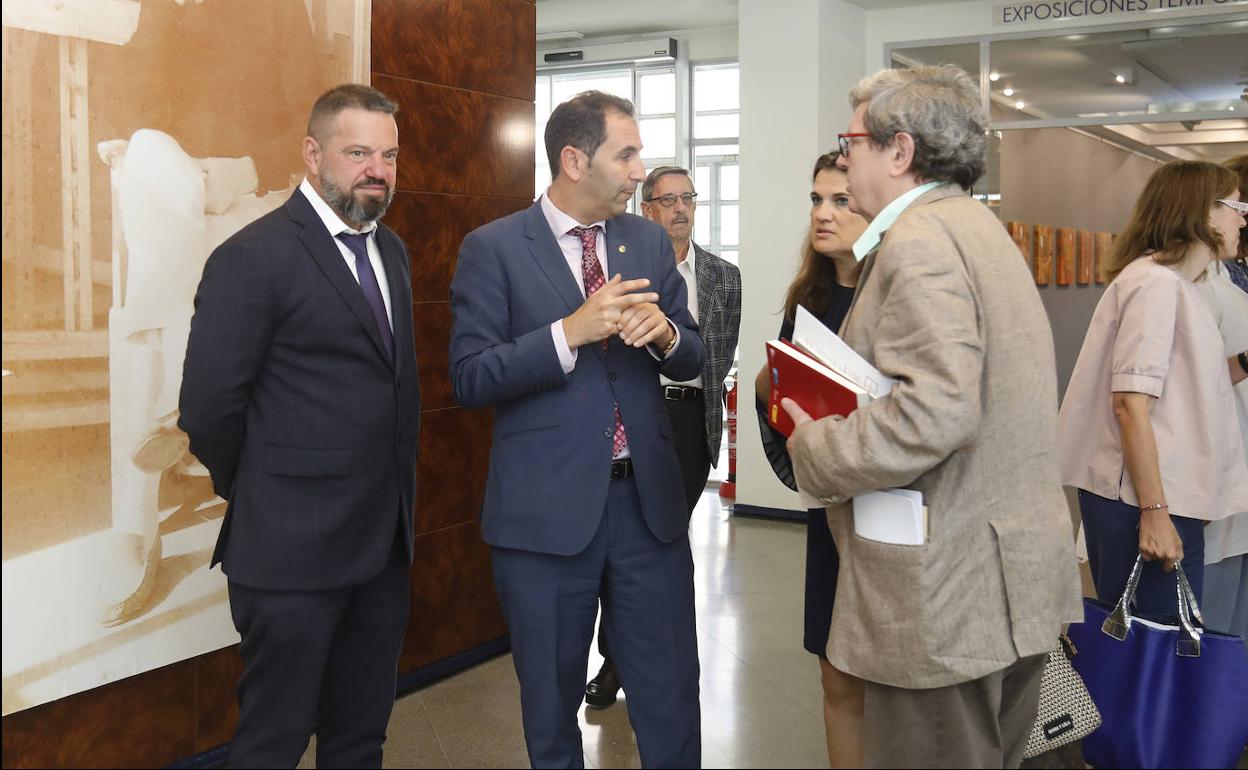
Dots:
pixel 895 516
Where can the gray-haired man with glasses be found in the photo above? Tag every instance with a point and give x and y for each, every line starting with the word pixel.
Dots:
pixel 696 407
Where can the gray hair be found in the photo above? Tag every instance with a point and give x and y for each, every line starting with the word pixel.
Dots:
pixel 939 106
pixel 647 187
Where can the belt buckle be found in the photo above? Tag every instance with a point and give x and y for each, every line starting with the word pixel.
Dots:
pixel 668 391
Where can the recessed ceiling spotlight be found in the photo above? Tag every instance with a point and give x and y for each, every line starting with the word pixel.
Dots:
pixel 1018 105
pixel 1124 75
pixel 994 76
pixel 1120 78
pixel 1008 91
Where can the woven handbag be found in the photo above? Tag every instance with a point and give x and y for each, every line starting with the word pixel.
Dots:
pixel 1066 712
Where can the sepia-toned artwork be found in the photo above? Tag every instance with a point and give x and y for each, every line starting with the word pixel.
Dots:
pixel 1085 257
pixel 1044 251
pixel 1066 243
pixel 137 137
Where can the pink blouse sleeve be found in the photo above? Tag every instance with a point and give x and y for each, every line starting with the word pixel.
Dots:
pixel 1147 312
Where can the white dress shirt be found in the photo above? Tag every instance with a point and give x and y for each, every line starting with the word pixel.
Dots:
pixel 336 226
pixel 687 270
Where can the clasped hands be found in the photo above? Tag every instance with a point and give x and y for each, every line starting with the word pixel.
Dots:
pixel 619 307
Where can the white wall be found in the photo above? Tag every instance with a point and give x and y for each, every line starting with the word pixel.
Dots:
pixel 798 60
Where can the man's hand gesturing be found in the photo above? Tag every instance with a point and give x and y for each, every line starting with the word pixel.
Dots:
pixel 599 317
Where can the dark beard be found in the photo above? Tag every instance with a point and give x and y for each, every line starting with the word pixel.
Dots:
pixel 348 207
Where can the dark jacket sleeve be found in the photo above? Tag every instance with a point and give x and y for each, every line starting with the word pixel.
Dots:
pixel 234 319
pixel 774 442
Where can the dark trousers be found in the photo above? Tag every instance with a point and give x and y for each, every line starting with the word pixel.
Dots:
pixel 689 429
pixel 1111 528
pixel 981 723
pixel 646 587
pixel 323 662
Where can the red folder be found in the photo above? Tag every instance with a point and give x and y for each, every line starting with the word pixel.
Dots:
pixel 817 389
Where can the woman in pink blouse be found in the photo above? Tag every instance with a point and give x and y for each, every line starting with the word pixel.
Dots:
pixel 1147 430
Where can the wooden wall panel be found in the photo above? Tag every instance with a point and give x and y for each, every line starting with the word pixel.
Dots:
pixel 1021 233
pixel 146 720
pixel 454 605
pixel 463 72
pixel 457 141
pixel 433 225
pixel 1103 243
pixel 1066 244
pixel 469 44
pixel 1044 251
pixel 1086 256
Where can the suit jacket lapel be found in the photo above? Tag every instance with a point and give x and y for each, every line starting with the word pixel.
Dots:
pixel 549 257
pixel 705 276
pixel 320 244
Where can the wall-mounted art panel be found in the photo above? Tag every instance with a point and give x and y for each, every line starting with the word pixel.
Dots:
pixel 134 144
pixel 1021 232
pixel 1104 241
pixel 1066 245
pixel 1085 258
pixel 1045 250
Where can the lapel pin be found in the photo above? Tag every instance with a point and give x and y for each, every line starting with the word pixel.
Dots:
pixel 623 248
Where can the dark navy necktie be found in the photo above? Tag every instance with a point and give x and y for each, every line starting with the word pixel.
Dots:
pixel 368 282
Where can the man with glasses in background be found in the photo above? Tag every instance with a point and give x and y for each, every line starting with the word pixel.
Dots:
pixel 696 406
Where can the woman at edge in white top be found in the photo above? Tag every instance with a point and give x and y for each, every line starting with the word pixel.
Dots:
pixel 1146 430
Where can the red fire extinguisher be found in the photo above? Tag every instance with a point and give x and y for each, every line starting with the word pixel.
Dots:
pixel 728 489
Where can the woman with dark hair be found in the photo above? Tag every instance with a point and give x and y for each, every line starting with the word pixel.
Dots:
pixel 825 286
pixel 1146 430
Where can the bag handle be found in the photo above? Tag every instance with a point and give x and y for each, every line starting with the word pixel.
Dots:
pixel 1118 624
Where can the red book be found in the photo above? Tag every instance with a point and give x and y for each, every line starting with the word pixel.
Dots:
pixel 803 378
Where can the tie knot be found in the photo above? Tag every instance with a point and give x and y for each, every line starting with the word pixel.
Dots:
pixel 588 235
pixel 357 242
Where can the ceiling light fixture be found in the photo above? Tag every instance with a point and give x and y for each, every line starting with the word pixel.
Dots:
pixel 1018 105
pixel 994 76
pixel 1120 78
pixel 1124 75
pixel 1008 91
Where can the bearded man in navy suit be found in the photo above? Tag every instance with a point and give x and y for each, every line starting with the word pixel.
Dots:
pixel 564 317
pixel 300 395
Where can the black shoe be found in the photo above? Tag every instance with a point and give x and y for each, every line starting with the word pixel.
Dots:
pixel 603 689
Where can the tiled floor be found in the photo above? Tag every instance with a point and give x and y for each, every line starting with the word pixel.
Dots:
pixel 760 689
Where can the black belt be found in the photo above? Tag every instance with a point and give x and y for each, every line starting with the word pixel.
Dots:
pixel 680 392
pixel 622 469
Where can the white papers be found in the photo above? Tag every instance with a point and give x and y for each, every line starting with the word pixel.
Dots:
pixel 895 516
pixel 811 335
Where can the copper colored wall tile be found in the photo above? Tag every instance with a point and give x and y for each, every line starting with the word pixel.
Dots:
pixel 477 45
pixel 1086 256
pixel 1021 233
pixel 454 141
pixel 1103 243
pixel 1066 244
pixel 1044 249
pixel 454 605
pixel 147 720
pixel 433 226
pixel 454 460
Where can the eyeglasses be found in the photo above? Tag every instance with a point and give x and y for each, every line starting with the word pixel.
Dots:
pixel 669 200
pixel 1240 206
pixel 843 141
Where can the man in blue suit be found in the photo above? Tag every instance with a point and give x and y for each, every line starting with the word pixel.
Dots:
pixel 300 395
pixel 584 497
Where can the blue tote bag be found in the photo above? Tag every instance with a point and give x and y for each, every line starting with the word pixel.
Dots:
pixel 1169 695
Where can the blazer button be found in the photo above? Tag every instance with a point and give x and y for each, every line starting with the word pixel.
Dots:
pixel 607 433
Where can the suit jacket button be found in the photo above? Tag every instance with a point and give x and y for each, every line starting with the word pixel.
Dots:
pixel 606 433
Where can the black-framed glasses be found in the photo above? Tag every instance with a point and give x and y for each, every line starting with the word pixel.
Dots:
pixel 669 200
pixel 842 141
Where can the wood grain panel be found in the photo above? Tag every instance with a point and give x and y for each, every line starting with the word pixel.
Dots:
pixel 432 321
pixel 1044 250
pixel 1066 244
pixel 216 682
pixel 454 460
pixel 454 605
pixel 454 141
pixel 1103 243
pixel 433 226
pixel 1086 256
pixel 147 720
pixel 477 45
pixel 1021 233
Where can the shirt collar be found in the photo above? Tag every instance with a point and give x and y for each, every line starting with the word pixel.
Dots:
pixel 560 223
pixel 870 238
pixel 690 256
pixel 333 222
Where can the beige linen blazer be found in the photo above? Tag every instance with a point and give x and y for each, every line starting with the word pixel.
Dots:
pixel 947 307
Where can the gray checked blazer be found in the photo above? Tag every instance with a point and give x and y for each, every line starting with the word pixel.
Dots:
pixel 946 307
pixel 719 321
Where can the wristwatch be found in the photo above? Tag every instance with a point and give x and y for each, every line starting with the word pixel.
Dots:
pixel 1243 361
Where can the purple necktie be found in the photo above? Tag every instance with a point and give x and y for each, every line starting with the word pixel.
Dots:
pixel 368 282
